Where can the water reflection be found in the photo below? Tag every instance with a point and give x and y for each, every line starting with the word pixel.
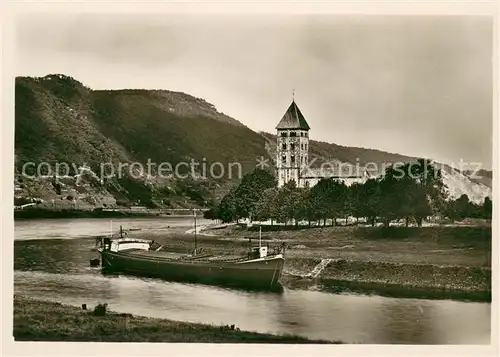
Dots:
pixel 54 255
pixel 395 325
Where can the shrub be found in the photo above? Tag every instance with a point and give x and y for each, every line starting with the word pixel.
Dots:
pixel 100 309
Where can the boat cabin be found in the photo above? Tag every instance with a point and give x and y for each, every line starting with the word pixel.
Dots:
pixel 121 244
pixel 259 252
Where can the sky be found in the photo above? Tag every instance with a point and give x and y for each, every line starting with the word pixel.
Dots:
pixel 415 85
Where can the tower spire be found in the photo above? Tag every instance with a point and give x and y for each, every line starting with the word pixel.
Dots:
pixel 293 95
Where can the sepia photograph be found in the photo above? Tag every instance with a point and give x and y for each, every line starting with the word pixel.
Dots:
pixel 279 178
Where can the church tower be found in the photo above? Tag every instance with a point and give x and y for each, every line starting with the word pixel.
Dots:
pixel 292 146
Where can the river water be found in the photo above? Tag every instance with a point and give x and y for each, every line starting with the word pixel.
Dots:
pixel 51 261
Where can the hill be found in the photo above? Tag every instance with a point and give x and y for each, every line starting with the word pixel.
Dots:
pixel 60 120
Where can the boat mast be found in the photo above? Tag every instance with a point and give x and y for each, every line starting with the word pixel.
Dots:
pixel 260 236
pixel 195 241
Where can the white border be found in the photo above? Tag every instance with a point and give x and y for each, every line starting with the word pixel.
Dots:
pixel 486 8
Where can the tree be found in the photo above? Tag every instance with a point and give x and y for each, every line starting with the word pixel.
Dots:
pixel 410 196
pixel 212 213
pixel 391 198
pixel 302 206
pixel 339 200
pixel 226 211
pixel 413 193
pixel 412 190
pixel 369 200
pixel 242 200
pixel 292 198
pixel 267 207
pixel 487 208
pixel 353 202
pixel 328 199
pixel 459 208
pixel 428 191
pixel 310 206
pixel 286 200
pixel 250 190
pixel 319 199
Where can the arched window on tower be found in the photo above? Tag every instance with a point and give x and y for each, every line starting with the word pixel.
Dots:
pixel 292 146
pixel 283 146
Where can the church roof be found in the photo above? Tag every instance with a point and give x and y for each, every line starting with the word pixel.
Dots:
pixel 293 119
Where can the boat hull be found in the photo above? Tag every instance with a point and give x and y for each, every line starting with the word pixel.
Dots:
pixel 257 273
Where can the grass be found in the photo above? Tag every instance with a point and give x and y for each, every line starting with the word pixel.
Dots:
pixel 437 262
pixel 36 320
pixel 403 291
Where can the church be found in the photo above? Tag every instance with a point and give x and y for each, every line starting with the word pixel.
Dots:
pixel 292 155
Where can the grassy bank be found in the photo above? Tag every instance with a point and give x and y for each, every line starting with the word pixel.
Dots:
pixel 403 291
pixel 36 320
pixel 392 279
pixel 454 246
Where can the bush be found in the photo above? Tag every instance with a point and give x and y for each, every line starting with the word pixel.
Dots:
pixel 100 309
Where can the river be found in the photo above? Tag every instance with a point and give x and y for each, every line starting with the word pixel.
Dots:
pixel 51 261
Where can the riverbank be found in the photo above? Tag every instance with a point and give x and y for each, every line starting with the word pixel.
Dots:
pixel 40 213
pixel 69 213
pixel 36 320
pixel 427 262
pixel 390 279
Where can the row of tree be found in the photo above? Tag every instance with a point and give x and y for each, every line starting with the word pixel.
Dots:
pixel 462 208
pixel 411 192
